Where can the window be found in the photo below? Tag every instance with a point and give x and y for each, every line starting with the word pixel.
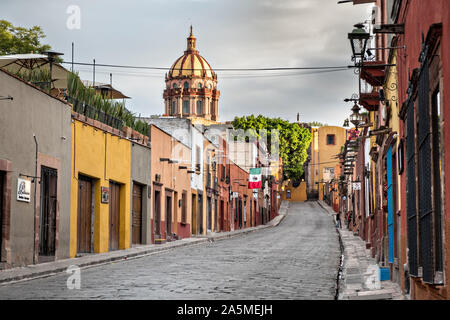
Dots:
pixel 174 86
pixel 199 85
pixel 199 107
pixel 197 158
pixel 211 107
pixel 331 139
pixel 186 85
pixel 174 108
pixel 185 106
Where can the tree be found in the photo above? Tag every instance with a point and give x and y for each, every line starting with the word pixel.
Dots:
pixel 16 40
pixel 294 141
pixel 316 124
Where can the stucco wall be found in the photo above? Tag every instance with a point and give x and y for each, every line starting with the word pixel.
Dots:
pixel 103 157
pixel 141 173
pixel 173 179
pixel 34 112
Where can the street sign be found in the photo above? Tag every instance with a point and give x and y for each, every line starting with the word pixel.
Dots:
pixel 356 185
pixel 23 190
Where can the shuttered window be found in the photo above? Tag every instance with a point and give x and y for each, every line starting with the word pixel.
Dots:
pixel 411 191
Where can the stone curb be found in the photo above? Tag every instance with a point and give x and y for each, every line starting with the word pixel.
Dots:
pixel 388 291
pixel 60 266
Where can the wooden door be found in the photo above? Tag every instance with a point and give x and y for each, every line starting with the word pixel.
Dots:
pixel 137 214
pixel 84 215
pixel 208 213
pixel 221 216
pixel 168 216
pixel 2 181
pixel 194 214
pixel 114 215
pixel 200 214
pixel 47 219
pixel 175 207
pixel 157 215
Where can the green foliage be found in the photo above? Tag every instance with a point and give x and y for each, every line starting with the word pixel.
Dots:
pixel 294 140
pixel 15 40
pixel 38 77
pixel 316 124
pixel 77 90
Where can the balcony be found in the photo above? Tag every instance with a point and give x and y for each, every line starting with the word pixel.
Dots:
pixel 373 72
pixel 370 100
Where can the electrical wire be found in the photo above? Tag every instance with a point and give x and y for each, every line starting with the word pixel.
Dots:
pixel 217 69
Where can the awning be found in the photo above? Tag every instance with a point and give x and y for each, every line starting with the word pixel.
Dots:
pixel 105 89
pixel 31 61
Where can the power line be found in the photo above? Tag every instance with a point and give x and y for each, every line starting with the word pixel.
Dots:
pixel 227 76
pixel 217 69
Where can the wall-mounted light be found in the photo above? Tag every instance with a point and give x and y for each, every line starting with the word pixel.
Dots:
pixel 356 117
pixel 358 41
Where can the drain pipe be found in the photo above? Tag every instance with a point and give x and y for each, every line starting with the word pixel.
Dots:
pixel 35 182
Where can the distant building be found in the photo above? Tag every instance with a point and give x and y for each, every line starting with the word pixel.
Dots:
pixel 323 157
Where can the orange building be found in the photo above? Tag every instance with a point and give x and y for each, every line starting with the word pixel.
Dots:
pixel 171 187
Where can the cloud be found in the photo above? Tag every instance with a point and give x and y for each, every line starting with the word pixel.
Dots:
pixel 231 34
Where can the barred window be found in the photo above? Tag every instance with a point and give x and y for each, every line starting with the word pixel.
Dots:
pixel 424 198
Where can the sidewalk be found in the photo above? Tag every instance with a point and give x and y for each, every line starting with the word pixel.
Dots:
pixel 51 268
pixel 360 278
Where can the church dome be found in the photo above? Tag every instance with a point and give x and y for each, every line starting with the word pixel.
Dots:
pixel 191 64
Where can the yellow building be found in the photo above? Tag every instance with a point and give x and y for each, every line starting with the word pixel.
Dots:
pixel 325 146
pixel 293 192
pixel 100 192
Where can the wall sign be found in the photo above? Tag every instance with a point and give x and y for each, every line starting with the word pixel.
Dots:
pixel 105 195
pixel 23 190
pixel 356 185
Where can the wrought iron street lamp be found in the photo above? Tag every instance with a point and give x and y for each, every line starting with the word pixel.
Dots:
pixel 356 117
pixel 358 40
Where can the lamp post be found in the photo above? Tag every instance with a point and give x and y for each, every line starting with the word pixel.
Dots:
pixel 358 40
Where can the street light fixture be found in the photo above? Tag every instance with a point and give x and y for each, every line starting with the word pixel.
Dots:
pixel 356 117
pixel 52 57
pixel 358 40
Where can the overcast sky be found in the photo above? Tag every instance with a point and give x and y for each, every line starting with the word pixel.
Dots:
pixel 230 34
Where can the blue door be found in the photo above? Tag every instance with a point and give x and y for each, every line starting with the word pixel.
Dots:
pixel 390 205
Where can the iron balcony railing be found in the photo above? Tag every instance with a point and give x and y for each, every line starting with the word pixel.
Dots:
pixel 95 113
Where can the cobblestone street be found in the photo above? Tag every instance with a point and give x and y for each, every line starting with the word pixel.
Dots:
pixel 298 259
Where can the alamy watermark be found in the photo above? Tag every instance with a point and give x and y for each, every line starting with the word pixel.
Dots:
pixel 73 21
pixel 74 280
